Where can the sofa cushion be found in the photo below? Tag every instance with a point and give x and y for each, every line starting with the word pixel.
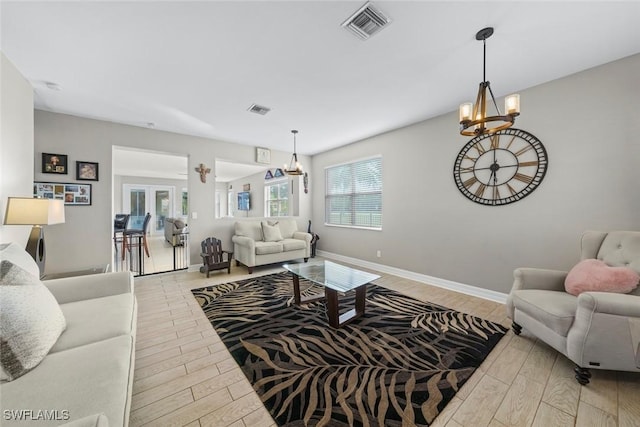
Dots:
pixel 554 309
pixel 595 275
pixel 264 248
pixel 271 233
pixel 251 229
pixel 293 244
pixel 84 380
pixel 287 227
pixel 96 319
pixel 30 322
pixel 17 255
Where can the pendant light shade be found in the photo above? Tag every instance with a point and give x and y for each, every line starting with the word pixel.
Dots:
pixel 475 119
pixel 294 168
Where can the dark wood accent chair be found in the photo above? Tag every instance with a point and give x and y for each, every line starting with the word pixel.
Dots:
pixel 213 256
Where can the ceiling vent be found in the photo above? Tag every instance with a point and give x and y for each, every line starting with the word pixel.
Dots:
pixel 258 109
pixel 367 21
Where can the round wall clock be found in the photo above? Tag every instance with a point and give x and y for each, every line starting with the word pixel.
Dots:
pixel 500 168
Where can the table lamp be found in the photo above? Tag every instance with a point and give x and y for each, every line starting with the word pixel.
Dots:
pixel 36 212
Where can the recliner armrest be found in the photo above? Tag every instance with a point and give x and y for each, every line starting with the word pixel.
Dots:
pixel 534 278
pixel 610 303
pixel 537 278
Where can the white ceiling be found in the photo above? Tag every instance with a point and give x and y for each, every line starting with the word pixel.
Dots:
pixel 195 67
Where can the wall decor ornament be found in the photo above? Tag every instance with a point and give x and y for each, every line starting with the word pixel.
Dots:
pixel 54 163
pixel 203 170
pixel 73 194
pixel 500 168
pixel 86 171
pixel 263 155
pixel 305 181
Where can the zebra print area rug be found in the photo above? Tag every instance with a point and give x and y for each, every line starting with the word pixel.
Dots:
pixel 397 365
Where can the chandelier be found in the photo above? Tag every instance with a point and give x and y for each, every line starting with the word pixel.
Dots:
pixel 474 118
pixel 294 167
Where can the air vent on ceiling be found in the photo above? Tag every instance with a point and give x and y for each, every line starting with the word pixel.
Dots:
pixel 367 21
pixel 258 109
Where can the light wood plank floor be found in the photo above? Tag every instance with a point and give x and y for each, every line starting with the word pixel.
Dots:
pixel 186 377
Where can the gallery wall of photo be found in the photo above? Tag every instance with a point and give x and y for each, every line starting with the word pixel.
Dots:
pixel 71 193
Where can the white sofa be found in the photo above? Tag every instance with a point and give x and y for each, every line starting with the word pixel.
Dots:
pixel 86 378
pixel 251 248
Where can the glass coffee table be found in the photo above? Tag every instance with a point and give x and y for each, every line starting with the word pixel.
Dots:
pixel 334 278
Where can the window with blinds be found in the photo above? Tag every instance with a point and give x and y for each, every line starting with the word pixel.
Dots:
pixel 354 194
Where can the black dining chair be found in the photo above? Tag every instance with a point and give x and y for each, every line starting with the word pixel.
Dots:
pixel 120 223
pixel 137 232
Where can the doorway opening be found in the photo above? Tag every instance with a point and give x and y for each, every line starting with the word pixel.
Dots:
pixel 154 184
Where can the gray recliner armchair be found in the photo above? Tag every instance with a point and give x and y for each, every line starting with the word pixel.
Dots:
pixel 595 329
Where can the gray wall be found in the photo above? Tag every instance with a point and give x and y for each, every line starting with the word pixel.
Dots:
pixel 85 239
pixel 588 124
pixel 16 146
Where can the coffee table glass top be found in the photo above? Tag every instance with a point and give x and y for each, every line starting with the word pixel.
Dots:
pixel 331 275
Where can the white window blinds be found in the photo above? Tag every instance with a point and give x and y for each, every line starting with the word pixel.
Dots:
pixel 354 194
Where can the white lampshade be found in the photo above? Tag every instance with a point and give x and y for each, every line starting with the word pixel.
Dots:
pixel 512 104
pixel 29 211
pixel 466 110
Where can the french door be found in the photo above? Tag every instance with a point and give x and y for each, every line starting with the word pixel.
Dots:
pixel 155 199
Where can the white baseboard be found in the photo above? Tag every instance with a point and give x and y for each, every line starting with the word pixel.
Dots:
pixel 423 278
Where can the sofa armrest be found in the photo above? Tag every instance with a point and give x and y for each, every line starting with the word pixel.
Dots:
pixel 301 235
pixel 244 241
pixel 537 278
pixel 610 303
pixel 81 288
pixel 95 420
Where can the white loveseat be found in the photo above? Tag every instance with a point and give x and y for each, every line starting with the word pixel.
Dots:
pixel 86 378
pixel 282 242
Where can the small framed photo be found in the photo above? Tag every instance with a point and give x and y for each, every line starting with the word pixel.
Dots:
pixel 86 171
pixel 54 163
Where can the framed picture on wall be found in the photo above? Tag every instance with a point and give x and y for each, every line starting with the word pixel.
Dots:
pixel 86 171
pixel 72 194
pixel 54 163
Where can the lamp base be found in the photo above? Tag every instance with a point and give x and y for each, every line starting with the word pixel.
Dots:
pixel 35 247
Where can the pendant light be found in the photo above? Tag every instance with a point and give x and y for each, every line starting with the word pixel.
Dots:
pixel 474 118
pixel 294 167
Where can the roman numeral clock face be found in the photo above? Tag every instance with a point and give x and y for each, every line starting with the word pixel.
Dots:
pixel 500 168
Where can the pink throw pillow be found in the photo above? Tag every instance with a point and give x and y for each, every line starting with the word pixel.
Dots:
pixel 595 275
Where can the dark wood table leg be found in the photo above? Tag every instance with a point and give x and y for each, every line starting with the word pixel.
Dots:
pixel 333 310
pixel 296 289
pixel 332 307
pixel 361 293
